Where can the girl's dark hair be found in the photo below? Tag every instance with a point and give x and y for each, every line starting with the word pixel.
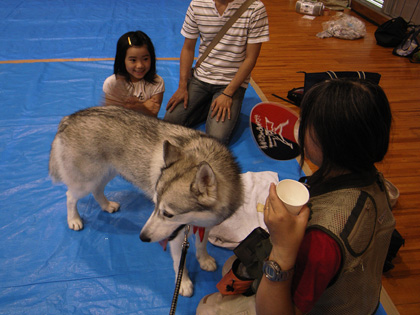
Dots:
pixel 351 122
pixel 137 38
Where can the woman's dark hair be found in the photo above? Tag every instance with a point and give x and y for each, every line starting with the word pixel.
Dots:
pixel 351 122
pixel 137 38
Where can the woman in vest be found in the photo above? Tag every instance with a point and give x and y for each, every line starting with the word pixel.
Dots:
pixel 329 259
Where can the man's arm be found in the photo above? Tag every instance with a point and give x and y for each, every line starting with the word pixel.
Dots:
pixel 222 104
pixel 186 61
pixel 252 53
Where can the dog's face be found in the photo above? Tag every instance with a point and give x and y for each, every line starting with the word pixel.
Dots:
pixel 165 223
pixel 185 194
pixel 187 199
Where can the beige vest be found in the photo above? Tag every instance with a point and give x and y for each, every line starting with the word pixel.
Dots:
pixel 362 223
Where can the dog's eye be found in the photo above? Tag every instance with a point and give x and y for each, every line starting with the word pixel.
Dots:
pixel 167 214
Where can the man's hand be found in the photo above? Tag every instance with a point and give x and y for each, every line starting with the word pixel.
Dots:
pixel 221 107
pixel 181 94
pixel 186 61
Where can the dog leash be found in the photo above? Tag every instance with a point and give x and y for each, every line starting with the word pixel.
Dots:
pixel 185 246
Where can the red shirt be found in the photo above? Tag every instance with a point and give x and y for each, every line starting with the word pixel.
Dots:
pixel 317 263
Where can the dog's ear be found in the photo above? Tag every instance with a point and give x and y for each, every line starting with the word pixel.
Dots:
pixel 205 185
pixel 171 153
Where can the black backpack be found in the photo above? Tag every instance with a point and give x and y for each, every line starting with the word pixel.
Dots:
pixel 391 33
pixel 295 95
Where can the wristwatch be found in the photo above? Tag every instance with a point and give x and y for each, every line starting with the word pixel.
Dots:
pixel 273 271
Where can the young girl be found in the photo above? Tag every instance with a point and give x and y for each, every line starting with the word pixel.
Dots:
pixel 135 84
pixel 328 259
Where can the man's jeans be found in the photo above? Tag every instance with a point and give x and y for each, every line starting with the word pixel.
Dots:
pixel 200 97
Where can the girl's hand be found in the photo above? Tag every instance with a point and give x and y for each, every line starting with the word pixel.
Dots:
pixel 221 107
pixel 286 229
pixel 131 102
pixel 151 107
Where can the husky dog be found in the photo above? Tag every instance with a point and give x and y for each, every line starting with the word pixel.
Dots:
pixel 192 178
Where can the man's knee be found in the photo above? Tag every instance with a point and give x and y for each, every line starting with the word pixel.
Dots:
pixel 176 116
pixel 222 131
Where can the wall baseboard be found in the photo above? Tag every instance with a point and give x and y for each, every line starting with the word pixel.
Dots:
pixel 369 13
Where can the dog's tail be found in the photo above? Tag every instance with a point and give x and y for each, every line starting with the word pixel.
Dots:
pixel 55 153
pixel 54 164
pixel 63 124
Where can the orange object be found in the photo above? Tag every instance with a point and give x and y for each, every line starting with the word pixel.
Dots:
pixel 234 284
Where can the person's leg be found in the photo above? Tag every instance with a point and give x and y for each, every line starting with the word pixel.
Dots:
pixel 199 98
pixel 223 130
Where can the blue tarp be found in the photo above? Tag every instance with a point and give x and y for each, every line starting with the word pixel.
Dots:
pixel 104 269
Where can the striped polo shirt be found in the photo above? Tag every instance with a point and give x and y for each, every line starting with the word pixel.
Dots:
pixel 204 21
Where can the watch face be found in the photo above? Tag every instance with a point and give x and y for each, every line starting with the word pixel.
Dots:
pixel 270 272
pixel 273 271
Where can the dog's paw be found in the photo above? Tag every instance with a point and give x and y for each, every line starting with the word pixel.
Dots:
pixel 75 224
pixel 187 288
pixel 112 207
pixel 207 263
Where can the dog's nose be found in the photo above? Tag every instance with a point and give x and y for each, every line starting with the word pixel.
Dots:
pixel 145 238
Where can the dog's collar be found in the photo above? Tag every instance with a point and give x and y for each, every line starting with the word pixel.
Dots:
pixel 201 231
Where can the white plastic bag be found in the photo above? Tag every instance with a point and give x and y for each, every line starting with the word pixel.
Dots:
pixel 343 26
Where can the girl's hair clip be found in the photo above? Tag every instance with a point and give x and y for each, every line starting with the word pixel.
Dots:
pixel 129 41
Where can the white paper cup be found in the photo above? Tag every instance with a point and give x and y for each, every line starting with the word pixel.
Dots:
pixel 293 194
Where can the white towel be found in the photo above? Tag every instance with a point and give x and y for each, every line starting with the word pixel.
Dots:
pixel 233 230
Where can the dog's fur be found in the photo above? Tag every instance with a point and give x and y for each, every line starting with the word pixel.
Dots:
pixel 191 177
